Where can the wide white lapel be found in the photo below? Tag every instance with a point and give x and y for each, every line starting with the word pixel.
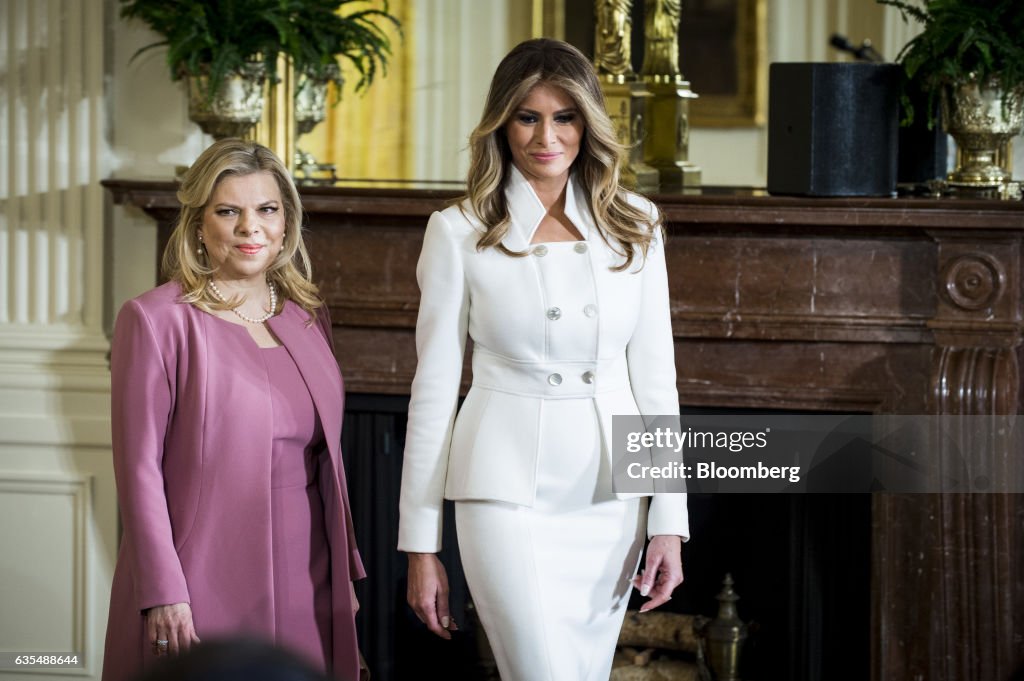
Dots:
pixel 525 211
pixel 577 208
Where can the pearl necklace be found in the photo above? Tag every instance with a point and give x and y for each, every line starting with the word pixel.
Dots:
pixel 245 317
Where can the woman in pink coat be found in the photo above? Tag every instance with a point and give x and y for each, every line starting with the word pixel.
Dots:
pixel 226 413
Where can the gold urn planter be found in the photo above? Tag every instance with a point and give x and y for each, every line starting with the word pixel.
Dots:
pixel 236 106
pixel 982 119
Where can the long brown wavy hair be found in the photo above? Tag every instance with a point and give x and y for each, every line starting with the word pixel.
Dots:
pixel 598 165
pixel 186 262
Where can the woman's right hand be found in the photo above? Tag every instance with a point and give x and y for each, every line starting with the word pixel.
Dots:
pixel 428 593
pixel 171 623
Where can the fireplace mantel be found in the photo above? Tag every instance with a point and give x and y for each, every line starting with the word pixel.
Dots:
pixel 912 306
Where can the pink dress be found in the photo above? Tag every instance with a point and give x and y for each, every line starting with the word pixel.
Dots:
pixel 301 562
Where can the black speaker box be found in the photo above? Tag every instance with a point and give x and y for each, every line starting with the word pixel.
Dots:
pixel 832 129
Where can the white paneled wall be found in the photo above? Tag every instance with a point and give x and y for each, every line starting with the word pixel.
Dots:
pixel 51 571
pixel 57 514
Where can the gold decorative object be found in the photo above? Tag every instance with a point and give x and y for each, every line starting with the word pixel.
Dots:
pixel 625 96
pixel 982 120
pixel 234 109
pixel 276 130
pixel 740 100
pixel 612 55
pixel 722 638
pixel 661 37
pixel 667 144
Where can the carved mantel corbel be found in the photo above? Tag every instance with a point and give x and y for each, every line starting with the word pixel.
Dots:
pixel 978 324
pixel 977 328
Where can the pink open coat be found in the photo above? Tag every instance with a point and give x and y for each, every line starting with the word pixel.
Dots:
pixel 192 450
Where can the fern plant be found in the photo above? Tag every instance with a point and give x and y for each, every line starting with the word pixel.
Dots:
pixel 218 38
pixel 962 41
pixel 326 31
pixel 213 39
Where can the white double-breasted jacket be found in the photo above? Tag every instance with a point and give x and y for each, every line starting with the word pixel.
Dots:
pixel 540 332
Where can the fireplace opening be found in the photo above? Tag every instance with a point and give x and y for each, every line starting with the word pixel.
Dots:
pixel 801 564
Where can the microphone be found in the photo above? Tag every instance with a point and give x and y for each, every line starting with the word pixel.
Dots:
pixel 864 52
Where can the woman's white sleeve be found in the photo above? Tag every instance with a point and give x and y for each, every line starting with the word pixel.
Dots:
pixel 441 330
pixel 650 355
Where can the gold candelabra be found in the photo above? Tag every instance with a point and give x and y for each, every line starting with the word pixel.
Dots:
pixel 625 94
pixel 651 111
pixel 666 146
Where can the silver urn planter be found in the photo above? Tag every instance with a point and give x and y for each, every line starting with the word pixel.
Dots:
pixel 310 103
pixel 236 106
pixel 310 110
pixel 982 119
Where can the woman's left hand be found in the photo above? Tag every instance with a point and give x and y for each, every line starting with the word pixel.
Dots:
pixel 663 570
pixel 352 595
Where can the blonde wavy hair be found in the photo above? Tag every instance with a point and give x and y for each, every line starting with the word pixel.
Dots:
pixel 599 163
pixel 186 262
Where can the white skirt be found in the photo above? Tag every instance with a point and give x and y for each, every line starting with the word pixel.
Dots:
pixel 551 583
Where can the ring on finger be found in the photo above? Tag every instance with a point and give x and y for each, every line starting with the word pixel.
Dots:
pixel 161 642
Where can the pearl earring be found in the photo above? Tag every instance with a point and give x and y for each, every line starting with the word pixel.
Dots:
pixel 199 247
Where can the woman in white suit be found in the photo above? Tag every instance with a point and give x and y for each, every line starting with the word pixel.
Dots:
pixel 558 275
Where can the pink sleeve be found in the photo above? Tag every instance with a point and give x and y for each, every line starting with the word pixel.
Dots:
pixel 141 403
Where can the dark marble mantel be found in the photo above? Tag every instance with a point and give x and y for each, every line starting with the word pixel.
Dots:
pixel 912 306
pixel 879 305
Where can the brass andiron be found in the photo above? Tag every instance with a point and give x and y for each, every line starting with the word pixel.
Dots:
pixel 625 95
pixel 667 145
pixel 721 639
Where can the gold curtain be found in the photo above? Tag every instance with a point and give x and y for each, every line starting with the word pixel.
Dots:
pixel 367 135
pixel 276 130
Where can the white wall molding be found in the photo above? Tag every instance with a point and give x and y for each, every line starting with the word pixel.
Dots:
pixel 54 381
pixel 41 428
pixel 50 536
pixel 57 539
pixel 52 114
